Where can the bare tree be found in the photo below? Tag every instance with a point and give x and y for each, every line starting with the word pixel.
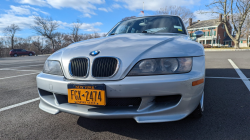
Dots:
pixel 46 27
pixel 182 12
pixel 236 10
pixel 37 42
pixel 1 46
pixel 11 31
pixel 96 35
pixel 127 18
pixel 246 29
pixel 75 31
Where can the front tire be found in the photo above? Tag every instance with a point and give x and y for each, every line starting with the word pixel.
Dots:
pixel 30 54
pixel 15 55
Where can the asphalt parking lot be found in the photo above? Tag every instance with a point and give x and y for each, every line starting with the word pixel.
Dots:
pixel 226 116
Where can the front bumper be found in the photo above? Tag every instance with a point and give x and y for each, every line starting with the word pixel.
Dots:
pixel 146 87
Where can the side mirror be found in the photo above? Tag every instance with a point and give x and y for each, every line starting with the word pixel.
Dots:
pixel 198 34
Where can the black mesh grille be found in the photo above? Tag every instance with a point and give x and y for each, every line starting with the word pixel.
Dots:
pixel 123 101
pixel 104 67
pixel 169 98
pixel 79 67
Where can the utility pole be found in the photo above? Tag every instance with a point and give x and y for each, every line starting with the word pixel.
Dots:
pixel 248 36
pixel 143 8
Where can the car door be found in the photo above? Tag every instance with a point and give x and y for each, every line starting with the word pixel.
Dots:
pixel 24 52
pixel 18 52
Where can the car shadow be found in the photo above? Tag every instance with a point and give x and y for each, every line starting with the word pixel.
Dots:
pixel 225 116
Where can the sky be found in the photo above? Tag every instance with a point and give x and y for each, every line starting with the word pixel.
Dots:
pixel 96 15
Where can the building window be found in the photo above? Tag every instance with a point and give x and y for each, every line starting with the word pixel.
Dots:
pixel 241 41
pixel 214 33
pixel 223 26
pixel 224 34
pixel 213 41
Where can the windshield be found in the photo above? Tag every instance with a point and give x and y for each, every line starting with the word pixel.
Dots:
pixel 157 24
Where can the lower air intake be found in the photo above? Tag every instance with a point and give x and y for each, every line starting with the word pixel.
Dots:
pixel 135 101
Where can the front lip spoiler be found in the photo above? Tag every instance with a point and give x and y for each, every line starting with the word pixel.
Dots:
pixel 162 115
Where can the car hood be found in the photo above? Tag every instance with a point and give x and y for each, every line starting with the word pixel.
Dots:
pixel 129 49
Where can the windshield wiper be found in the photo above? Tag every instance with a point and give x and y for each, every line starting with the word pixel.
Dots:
pixel 147 32
pixel 112 34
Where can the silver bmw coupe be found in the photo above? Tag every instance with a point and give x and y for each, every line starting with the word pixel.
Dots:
pixel 146 68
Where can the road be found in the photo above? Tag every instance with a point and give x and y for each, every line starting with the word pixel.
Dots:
pixel 226 116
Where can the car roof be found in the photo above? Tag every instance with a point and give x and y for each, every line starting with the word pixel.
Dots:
pixel 17 49
pixel 152 16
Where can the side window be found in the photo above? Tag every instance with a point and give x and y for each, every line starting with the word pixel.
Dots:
pixel 132 30
pixel 23 50
pixel 122 29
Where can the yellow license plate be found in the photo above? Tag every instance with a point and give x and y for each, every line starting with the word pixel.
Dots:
pixel 87 94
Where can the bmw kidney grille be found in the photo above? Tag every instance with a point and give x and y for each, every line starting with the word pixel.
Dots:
pixel 102 67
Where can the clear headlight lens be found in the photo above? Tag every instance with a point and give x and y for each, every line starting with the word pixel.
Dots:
pixel 148 65
pixel 52 67
pixel 160 66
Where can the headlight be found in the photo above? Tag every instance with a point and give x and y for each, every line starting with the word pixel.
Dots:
pixel 52 67
pixel 160 66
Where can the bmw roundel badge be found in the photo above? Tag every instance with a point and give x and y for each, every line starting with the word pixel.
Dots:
pixel 94 53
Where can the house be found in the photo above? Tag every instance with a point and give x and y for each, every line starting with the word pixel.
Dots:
pixel 214 31
pixel 244 42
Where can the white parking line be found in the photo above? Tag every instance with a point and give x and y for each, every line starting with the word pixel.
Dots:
pixel 24 66
pixel 16 63
pixel 19 70
pixel 19 104
pixel 226 78
pixel 242 76
pixel 18 75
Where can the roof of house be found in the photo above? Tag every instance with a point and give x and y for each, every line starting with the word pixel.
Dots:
pixel 204 23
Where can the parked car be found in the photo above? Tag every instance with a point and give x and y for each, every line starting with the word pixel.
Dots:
pixel 146 68
pixel 19 52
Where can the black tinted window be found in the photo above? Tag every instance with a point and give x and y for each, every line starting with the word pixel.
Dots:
pixel 157 24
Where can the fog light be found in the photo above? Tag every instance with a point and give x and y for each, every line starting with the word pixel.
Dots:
pixel 195 83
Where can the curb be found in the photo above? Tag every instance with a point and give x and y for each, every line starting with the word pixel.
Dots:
pixel 208 50
pixel 43 54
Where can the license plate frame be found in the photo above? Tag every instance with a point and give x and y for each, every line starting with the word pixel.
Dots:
pixel 80 93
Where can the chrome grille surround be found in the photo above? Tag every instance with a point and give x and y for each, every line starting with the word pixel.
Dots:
pixel 71 71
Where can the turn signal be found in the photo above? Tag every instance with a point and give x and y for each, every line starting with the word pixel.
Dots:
pixel 195 83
